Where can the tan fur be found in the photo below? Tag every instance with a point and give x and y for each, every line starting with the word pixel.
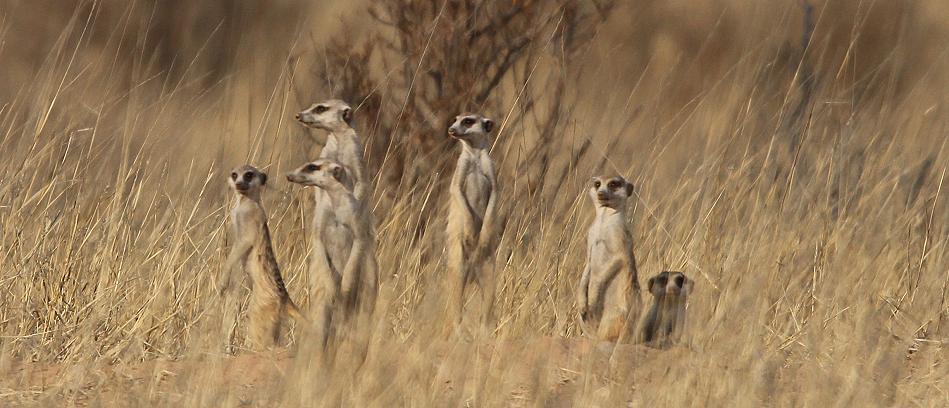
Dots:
pixel 348 271
pixel 342 143
pixel 609 297
pixel 472 229
pixel 253 252
pixel 665 322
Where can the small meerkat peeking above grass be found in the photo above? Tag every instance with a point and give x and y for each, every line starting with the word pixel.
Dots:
pixel 253 252
pixel 472 229
pixel 665 322
pixel 608 296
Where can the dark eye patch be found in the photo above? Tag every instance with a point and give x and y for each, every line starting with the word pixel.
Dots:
pixel 613 185
pixel 320 109
pixel 248 176
pixel 596 184
pixel 467 121
pixel 233 176
pixel 311 168
pixel 679 280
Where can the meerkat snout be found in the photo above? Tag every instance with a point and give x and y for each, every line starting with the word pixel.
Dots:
pixel 246 179
pixel 470 127
pixel 610 191
pixel 322 173
pixel 331 115
pixel 676 287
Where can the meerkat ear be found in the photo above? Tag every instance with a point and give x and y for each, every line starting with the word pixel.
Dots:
pixel 339 173
pixel 487 124
pixel 654 288
pixel 263 178
pixel 348 115
pixel 687 286
pixel 629 189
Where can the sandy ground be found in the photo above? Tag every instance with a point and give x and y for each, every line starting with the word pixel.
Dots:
pixel 546 372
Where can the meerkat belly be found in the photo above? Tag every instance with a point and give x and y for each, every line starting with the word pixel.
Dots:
pixel 477 191
pixel 338 240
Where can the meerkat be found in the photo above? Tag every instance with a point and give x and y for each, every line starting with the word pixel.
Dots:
pixel 342 143
pixel 346 249
pixel 472 229
pixel 665 321
pixel 253 252
pixel 609 295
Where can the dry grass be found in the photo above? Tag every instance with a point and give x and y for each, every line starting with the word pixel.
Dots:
pixel 807 199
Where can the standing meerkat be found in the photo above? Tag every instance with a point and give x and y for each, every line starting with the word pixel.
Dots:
pixel 253 252
pixel 472 229
pixel 665 321
pixel 342 143
pixel 349 271
pixel 609 296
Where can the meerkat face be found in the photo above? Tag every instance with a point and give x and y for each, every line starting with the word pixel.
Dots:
pixel 329 115
pixel 247 180
pixel 610 191
pixel 470 127
pixel 323 173
pixel 670 283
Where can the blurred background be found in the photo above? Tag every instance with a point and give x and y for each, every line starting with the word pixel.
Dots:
pixel 790 156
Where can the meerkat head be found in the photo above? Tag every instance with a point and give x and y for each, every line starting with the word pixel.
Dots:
pixel 609 191
pixel 330 115
pixel 471 129
pixel 246 180
pixel 326 174
pixel 670 283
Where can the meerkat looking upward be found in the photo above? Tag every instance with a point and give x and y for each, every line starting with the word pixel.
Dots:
pixel 665 321
pixel 609 287
pixel 472 229
pixel 348 260
pixel 253 251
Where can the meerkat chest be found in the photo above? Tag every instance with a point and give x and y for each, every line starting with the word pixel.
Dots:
pixel 606 238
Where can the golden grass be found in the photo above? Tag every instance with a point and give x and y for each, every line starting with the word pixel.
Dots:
pixel 817 237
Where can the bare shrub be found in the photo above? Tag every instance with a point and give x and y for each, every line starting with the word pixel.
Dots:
pixel 439 58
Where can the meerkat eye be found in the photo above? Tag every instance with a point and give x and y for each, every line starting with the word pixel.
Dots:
pixel 679 280
pixel 596 184
pixel 233 176
pixel 311 168
pixel 467 122
pixel 320 109
pixel 613 185
pixel 248 176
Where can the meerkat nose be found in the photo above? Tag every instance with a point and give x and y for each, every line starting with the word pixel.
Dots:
pixel 297 116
